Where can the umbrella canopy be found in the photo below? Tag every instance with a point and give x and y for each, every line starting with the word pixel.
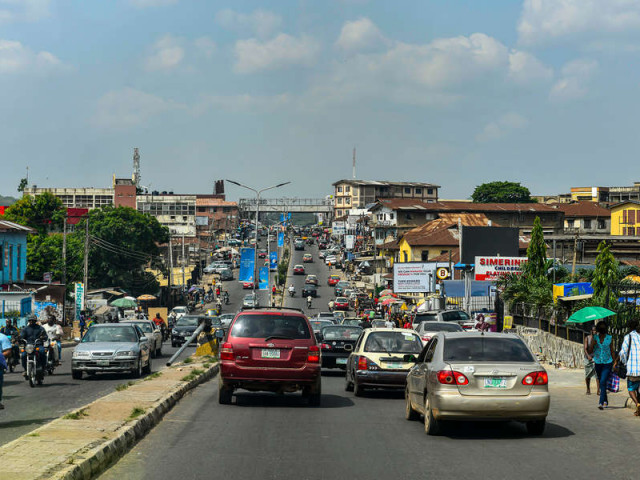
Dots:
pixel 386 291
pixel 193 288
pixel 632 278
pixel 589 314
pixel 387 301
pixel 146 297
pixel 131 298
pixel 124 303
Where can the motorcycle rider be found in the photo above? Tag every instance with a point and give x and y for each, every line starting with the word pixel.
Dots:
pixel 9 330
pixel 5 351
pixel 13 333
pixel 292 290
pixel 54 332
pixel 225 296
pixel 31 333
pixel 159 322
pixel 309 301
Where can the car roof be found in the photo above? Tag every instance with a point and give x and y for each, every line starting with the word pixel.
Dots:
pixel 387 329
pixel 112 325
pixel 468 334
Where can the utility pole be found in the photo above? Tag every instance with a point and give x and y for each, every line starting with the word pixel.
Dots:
pixel 64 264
pixel 86 262
pixel 575 254
pixel 183 262
pixel 169 278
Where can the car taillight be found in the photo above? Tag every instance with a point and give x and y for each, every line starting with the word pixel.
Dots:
pixel 451 377
pixel 362 363
pixel 325 346
pixel 314 354
pixel 536 378
pixel 226 352
pixel 426 339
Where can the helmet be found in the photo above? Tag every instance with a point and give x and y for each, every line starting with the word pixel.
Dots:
pixel 32 318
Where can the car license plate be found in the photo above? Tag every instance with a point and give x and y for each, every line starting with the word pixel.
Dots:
pixel 394 365
pixel 270 353
pixel 102 363
pixel 341 361
pixel 495 382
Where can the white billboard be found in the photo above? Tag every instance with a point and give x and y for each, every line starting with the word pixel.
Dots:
pixel 412 277
pixel 492 268
pixel 349 241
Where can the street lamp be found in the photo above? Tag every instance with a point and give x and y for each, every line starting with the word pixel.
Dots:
pixel 256 278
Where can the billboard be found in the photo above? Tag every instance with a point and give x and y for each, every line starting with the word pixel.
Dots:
pixel 493 268
pixel 281 239
pixel 490 241
pixel 349 241
pixel 263 274
pixel 247 264
pixel 339 228
pixel 79 299
pixel 412 277
pixel 273 260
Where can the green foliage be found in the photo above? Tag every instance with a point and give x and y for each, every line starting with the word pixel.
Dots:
pixel 23 184
pixel 528 289
pixel 77 415
pixel 537 252
pixel 135 413
pixel 584 275
pixel 44 254
pixel 501 192
pixel 43 213
pixel 605 276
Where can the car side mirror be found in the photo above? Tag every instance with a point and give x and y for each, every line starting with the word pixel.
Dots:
pixel 143 339
pixel 348 348
pixel 409 358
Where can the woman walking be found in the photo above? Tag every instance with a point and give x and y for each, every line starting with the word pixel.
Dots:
pixel 601 347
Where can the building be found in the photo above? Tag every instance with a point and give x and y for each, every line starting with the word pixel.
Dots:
pixel 552 199
pixel 76 197
pixel 176 212
pixel 625 218
pixel 124 192
pixel 13 253
pixel 585 217
pixel 622 194
pixel 214 214
pixel 350 194
pixel 590 194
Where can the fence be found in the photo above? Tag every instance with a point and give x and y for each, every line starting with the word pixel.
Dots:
pixel 550 348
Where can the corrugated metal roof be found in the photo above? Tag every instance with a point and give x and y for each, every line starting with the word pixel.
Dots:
pixel 7 226
pixel 458 206
pixel 583 209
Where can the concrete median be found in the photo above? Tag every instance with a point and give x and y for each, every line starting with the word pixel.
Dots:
pixel 86 441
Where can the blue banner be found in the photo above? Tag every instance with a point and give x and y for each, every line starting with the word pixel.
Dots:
pixel 281 239
pixel 264 278
pixel 273 260
pixel 247 264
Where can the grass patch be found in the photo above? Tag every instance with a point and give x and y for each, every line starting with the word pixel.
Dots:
pixel 136 412
pixel 36 434
pixel 77 415
pixel 192 376
pixel 71 461
pixel 206 365
pixel 188 360
pixel 152 376
pixel 124 386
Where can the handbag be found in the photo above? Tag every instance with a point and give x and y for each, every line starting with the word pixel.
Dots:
pixel 613 383
pixel 620 369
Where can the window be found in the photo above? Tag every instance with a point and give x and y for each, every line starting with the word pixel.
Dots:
pixel 391 216
pixel 407 190
pixel 486 349
pixel 339 200
pixel 570 223
pixel 347 189
pixel 18 263
pixel 432 349
pixel 347 201
pixel 587 223
pixel 424 255
pixel 418 191
pixel 406 256
pixel 264 326
pixel 601 224
pixel 429 191
pixel 339 213
pixel 339 189
pixel 408 216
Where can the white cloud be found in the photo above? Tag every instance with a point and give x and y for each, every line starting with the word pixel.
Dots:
pixel 261 23
pixel 206 46
pixel 128 107
pixel 502 126
pixel 242 103
pixel 524 68
pixel 360 35
pixel 16 58
pixel 252 55
pixel 574 80
pixel 23 10
pixel 167 54
pixel 545 21
pixel 152 3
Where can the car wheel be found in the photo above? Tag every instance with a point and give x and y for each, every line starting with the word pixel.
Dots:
pixel 409 412
pixel 137 372
pixel 225 395
pixel 147 368
pixel 159 351
pixel 348 386
pixel 536 427
pixel 431 425
pixel 76 374
pixel 358 390
pixel 315 395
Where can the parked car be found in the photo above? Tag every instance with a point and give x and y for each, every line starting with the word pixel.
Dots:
pixel 426 330
pixel 330 259
pixel 341 286
pixel 378 359
pixel 298 270
pixel 337 344
pixel 307 258
pixel 333 280
pixel 153 333
pixel 246 285
pixel 184 328
pixel 477 376
pixel 270 350
pixel 226 274
pixel 309 289
pixel 341 303
pixel 311 279
pixel 112 347
pixel 460 317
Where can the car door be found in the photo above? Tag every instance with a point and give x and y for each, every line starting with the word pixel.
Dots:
pixel 420 372
pixel 412 376
pixel 145 350
pixel 351 361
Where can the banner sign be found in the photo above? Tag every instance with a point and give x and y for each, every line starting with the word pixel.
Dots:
pixel 273 260
pixel 264 278
pixel 349 241
pixel 493 268
pixel 79 299
pixel 281 239
pixel 412 277
pixel 339 228
pixel 247 264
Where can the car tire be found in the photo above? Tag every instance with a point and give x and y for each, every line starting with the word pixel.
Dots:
pixel 315 395
pixel 358 390
pixel 137 372
pixel 348 386
pixel 159 351
pixel 409 413
pixel 76 374
pixel 147 368
pixel 431 425
pixel 225 395
pixel 536 427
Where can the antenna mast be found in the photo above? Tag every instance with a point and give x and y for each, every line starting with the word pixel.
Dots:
pixel 136 168
pixel 354 163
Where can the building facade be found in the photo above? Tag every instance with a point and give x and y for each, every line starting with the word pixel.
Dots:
pixel 13 253
pixel 585 218
pixel 176 212
pixel 625 218
pixel 350 194
pixel 590 194
pixel 76 197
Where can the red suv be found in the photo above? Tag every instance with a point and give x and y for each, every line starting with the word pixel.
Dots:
pixel 270 350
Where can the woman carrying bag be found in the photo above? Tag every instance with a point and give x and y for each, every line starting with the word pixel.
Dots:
pixel 601 347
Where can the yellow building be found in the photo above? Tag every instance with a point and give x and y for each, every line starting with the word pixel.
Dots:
pixel 625 218
pixel 590 194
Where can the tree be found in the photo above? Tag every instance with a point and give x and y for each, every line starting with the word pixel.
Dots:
pixel 23 184
pixel 43 213
pixel 44 254
pixel 501 192
pixel 537 252
pixel 605 276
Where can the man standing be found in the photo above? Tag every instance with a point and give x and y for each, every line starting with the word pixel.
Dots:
pixel 5 347
pixel 589 364
pixel 630 356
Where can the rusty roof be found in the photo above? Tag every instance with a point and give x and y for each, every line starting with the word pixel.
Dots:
pixel 460 206
pixel 444 230
pixel 7 226
pixel 582 209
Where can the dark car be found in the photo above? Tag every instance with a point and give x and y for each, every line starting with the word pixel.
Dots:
pixel 226 274
pixel 270 350
pixel 184 328
pixel 298 245
pixel 341 286
pixel 309 289
pixel 337 344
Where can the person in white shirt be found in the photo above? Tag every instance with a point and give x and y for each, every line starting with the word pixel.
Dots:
pixel 630 356
pixel 54 332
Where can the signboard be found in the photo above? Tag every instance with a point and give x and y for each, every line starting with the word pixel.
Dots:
pixel 442 273
pixel 79 299
pixel 281 239
pixel 349 241
pixel 477 241
pixel 508 322
pixel 202 221
pixel 411 277
pixel 264 278
pixel 247 264
pixel 273 260
pixel 493 268
pixel 339 228
pixel 46 277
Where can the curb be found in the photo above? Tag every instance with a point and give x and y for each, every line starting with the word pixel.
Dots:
pixel 102 456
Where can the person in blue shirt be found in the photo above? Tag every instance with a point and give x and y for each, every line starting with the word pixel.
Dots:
pixel 5 347
pixel 601 347
pixel 630 357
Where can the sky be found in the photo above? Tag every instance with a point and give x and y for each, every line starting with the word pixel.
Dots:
pixel 455 93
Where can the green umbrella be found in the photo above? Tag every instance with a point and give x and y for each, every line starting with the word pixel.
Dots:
pixel 588 314
pixel 124 303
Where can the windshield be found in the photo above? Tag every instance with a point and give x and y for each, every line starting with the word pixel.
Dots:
pixel 441 327
pixel 110 334
pixel 486 349
pixel 144 326
pixel 180 309
pixel 425 317
pixel 393 342
pixel 320 324
pixel 187 321
pixel 341 333
pixel 264 326
pixel 351 322
pixel 455 315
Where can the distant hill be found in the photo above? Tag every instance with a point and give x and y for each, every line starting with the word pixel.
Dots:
pixel 6 201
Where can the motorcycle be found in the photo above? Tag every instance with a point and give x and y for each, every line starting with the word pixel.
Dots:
pixel 34 371
pixel 225 297
pixel 292 292
pixel 50 353
pixel 308 303
pixel 14 359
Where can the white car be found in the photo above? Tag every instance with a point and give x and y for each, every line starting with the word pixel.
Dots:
pixel 153 334
pixel 179 311
pixel 331 259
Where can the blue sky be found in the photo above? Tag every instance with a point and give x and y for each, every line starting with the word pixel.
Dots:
pixel 544 92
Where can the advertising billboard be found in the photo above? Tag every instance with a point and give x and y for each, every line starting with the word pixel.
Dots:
pixel 263 274
pixel 492 268
pixel 281 239
pixel 247 262
pixel 477 241
pixel 349 241
pixel 412 277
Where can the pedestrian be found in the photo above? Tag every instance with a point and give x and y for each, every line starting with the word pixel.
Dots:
pixel 630 356
pixel 601 347
pixel 589 364
pixel 82 323
pixel 5 348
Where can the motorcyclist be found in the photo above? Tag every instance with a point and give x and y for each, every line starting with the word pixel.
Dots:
pixel 218 305
pixel 9 330
pixel 292 290
pixel 13 333
pixel 54 332
pixel 309 301
pixel 225 296
pixel 30 334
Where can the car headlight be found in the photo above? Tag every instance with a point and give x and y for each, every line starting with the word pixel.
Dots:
pixel 125 353
pixel 81 354
pixel 174 332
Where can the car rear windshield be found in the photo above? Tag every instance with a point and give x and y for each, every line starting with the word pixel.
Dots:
pixel 455 316
pixel 393 342
pixel 110 334
pixel 486 349
pixel 264 326
pixel 441 327
pixel 425 317
pixel 341 333
pixel 187 321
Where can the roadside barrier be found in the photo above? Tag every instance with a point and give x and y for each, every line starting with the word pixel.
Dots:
pixel 549 348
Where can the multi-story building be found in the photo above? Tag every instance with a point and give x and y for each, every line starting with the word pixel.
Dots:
pixel 585 218
pixel 13 253
pixel 622 194
pixel 350 194
pixel 590 194
pixel 625 218
pixel 176 212
pixel 76 197
pixel 213 214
